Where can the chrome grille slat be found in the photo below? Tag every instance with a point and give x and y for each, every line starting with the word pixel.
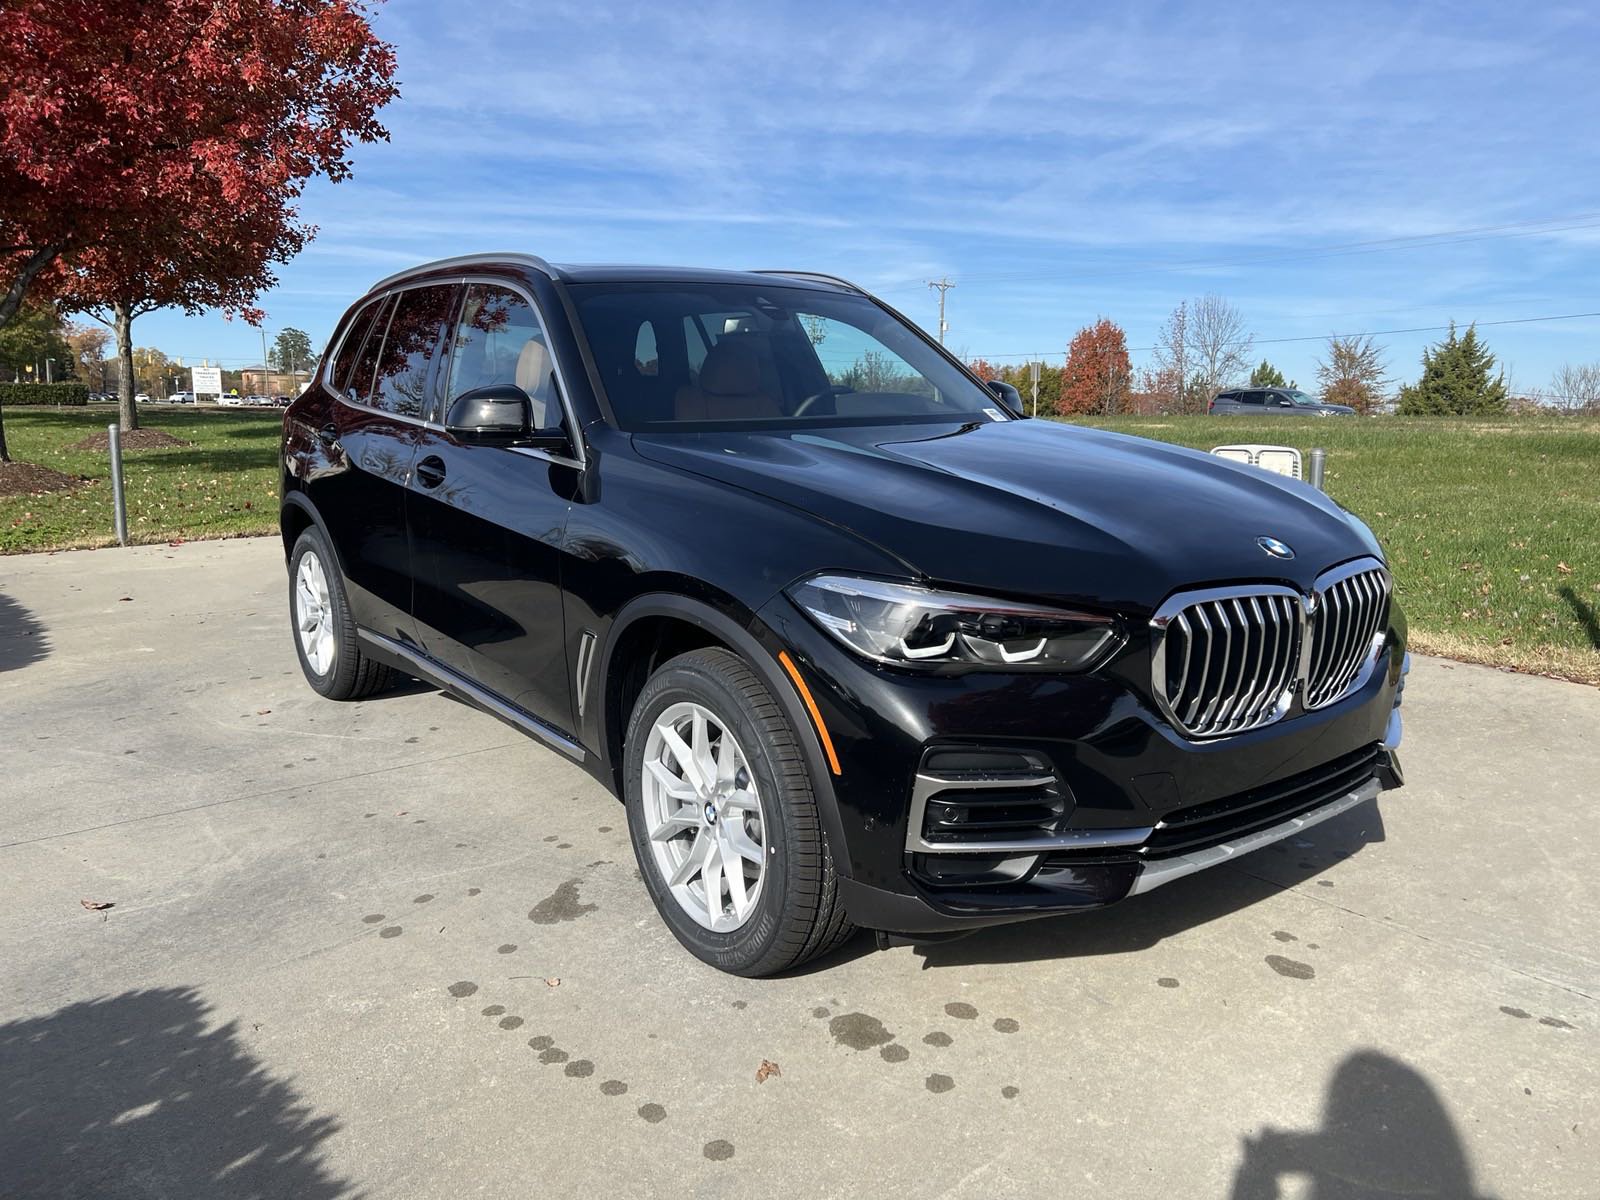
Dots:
pixel 1225 659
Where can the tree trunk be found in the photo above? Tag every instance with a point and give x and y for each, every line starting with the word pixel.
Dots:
pixel 5 453
pixel 37 260
pixel 128 411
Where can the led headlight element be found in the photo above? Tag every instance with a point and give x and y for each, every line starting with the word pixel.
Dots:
pixel 906 625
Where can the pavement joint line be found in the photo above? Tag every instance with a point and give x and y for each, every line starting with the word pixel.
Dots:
pixel 172 812
pixel 1467 949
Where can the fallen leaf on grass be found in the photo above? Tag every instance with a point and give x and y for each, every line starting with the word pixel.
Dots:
pixel 765 1070
pixel 1563 568
pixel 95 905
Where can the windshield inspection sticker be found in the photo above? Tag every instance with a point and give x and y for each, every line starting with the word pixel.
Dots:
pixel 994 414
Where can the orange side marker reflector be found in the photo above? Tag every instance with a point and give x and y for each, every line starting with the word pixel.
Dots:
pixel 811 707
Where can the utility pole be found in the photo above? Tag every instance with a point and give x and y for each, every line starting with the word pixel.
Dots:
pixel 944 285
pixel 265 387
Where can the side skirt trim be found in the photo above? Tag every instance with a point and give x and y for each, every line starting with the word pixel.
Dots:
pixel 442 676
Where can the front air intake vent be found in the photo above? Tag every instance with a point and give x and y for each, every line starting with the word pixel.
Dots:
pixel 979 799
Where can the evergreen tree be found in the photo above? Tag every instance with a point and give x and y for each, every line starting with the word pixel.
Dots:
pixel 1267 375
pixel 1458 380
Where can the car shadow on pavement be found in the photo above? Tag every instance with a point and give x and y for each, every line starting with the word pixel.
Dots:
pixel 1143 921
pixel 1385 1133
pixel 143 1094
pixel 23 640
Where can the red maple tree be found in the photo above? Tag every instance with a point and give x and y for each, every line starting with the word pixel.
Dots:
pixel 154 152
pixel 1098 375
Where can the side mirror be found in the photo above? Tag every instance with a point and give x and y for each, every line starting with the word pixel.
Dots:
pixel 501 415
pixel 1007 395
pixel 1282 403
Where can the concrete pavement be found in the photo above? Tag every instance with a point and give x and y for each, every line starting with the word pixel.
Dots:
pixel 395 949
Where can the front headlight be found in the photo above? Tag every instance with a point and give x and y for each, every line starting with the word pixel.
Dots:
pixel 905 625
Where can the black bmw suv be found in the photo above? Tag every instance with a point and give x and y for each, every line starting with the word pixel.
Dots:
pixel 854 642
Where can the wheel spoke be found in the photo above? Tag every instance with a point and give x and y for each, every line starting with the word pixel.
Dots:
pixel 685 759
pixel 743 800
pixel 711 878
pixel 733 871
pixel 677 823
pixel 676 787
pixel 700 740
pixel 692 862
pixel 742 844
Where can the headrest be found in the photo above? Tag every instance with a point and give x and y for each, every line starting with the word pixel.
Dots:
pixel 731 368
pixel 533 367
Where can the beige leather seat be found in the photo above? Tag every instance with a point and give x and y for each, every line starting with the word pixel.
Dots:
pixel 729 386
pixel 533 377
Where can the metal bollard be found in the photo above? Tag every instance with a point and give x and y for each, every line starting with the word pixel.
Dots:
pixel 1319 461
pixel 119 505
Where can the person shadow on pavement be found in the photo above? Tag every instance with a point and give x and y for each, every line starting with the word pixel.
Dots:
pixel 141 1094
pixel 1384 1133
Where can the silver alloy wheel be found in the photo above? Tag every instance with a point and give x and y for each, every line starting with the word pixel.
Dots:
pixel 703 816
pixel 313 613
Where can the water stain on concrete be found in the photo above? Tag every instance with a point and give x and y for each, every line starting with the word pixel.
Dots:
pixel 494 1010
pixel 553 1055
pixel 372 919
pixel 541 1041
pixel 741 1004
pixel 508 948
pixel 474 891
pixel 422 899
pixel 961 1011
pixel 580 1068
pixel 1520 1013
pixel 1167 981
pixel 561 905
pixel 1554 1023
pixel 938 1038
pixel 462 988
pixel 389 931
pixel 604 829
pixel 719 1150
pixel 1010 1092
pixel 554 837
pixel 653 1113
pixel 1324 883
pixel 511 1023
pixel 894 1052
pixel 1289 969
pixel 613 1087
pixel 1284 936
pixel 1006 1025
pixel 1312 946
pixel 563 845
pixel 819 1012
pixel 939 1083
pixel 859 1031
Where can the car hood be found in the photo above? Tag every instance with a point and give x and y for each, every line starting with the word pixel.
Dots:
pixel 1035 508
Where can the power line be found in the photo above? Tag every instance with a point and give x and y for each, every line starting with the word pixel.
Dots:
pixel 1322 337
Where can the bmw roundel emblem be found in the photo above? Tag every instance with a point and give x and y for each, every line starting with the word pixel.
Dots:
pixel 1274 547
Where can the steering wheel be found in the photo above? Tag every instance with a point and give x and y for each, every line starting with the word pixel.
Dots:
pixel 837 389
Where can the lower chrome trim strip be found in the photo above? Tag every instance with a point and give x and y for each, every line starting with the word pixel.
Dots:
pixel 1156 874
pixel 441 675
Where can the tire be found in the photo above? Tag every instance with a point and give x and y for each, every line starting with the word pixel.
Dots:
pixel 794 911
pixel 343 672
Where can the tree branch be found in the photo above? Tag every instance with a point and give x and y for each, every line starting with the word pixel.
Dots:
pixel 42 257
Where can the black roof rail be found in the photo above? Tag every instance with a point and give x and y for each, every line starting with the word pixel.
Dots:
pixel 467 260
pixel 844 283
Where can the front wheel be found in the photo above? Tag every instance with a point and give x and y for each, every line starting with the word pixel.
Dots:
pixel 724 822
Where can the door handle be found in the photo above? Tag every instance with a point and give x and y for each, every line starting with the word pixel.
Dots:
pixel 430 471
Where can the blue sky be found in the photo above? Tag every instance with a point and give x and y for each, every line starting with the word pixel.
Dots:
pixel 1058 161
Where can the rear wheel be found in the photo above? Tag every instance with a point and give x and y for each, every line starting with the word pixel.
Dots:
pixel 324 632
pixel 724 821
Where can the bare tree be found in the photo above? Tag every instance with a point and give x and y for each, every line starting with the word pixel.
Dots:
pixel 1577 388
pixel 1354 373
pixel 1219 344
pixel 1173 360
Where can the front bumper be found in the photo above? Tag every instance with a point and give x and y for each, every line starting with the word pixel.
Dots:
pixel 1143 805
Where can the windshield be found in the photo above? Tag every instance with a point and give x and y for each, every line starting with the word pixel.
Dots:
pixel 751 355
pixel 1303 400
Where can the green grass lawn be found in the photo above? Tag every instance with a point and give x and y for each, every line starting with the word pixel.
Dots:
pixel 1492 527
pixel 224 485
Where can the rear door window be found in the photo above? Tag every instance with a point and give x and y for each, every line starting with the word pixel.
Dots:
pixel 349 380
pixel 1256 398
pixel 411 348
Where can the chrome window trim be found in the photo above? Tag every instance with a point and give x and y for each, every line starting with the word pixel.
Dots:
pixel 1307 606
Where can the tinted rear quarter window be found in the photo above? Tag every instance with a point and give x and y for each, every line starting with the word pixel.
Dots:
pixel 344 367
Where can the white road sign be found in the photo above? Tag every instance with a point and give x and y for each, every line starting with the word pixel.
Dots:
pixel 207 381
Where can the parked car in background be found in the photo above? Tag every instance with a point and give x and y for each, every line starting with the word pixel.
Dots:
pixel 141 398
pixel 181 398
pixel 231 401
pixel 1282 401
pixel 854 642
pixel 258 400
